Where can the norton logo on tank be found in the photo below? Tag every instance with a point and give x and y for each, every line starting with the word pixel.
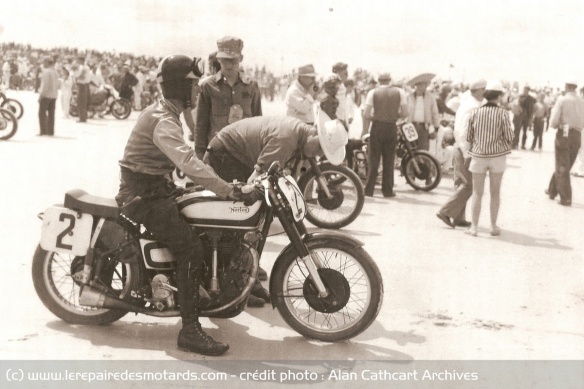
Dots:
pixel 239 209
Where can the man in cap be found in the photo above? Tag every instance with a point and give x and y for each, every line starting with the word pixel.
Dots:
pixel 568 117
pixel 155 148
pixel 388 103
pixel 453 212
pixel 300 96
pixel 82 79
pixel 423 113
pixel 225 97
pixel 328 100
pixel 344 111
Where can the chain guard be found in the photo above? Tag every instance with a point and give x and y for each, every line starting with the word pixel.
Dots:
pixel 338 287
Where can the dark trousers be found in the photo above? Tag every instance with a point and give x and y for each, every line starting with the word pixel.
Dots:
pixel 82 101
pixel 517 121
pixel 47 116
pixel 455 206
pixel 524 127
pixel 537 132
pixel 382 143
pixel 423 136
pixel 566 152
pixel 158 212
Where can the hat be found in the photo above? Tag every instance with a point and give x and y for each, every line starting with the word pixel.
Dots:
pixel 384 77
pixel 331 79
pixel 306 70
pixel 339 66
pixel 229 47
pixel 421 78
pixel 478 84
pixel 494 85
pixel 332 136
pixel 572 82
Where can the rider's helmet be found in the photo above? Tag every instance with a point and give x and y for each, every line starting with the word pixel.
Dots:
pixel 176 74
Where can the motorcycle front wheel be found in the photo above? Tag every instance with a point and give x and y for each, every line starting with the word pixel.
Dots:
pixel 346 203
pixel 121 109
pixel 427 177
pixel 8 124
pixel 355 291
pixel 52 275
pixel 14 106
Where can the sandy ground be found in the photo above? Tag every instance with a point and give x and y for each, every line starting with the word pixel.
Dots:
pixel 447 295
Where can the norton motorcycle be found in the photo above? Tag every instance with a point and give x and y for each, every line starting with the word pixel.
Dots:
pixel 420 168
pixel 8 124
pixel 93 265
pixel 103 101
pixel 12 105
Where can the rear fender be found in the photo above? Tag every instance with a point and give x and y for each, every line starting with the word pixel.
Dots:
pixel 313 237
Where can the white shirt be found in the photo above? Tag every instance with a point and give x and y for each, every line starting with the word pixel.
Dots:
pixel 467 104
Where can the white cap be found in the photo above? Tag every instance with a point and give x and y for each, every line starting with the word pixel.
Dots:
pixel 494 85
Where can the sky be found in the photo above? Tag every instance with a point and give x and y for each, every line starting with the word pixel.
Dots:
pixel 532 42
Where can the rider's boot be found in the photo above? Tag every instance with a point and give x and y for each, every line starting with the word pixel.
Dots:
pixel 192 337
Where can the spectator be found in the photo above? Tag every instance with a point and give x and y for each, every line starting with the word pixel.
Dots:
pixel 540 113
pixel 527 103
pixel 82 79
pixel 48 93
pixel 568 117
pixel 490 137
pixel 328 100
pixel 300 97
pixel 344 113
pixel 128 82
pixel 423 113
pixel 66 86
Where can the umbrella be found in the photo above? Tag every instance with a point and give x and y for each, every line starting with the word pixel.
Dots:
pixel 424 77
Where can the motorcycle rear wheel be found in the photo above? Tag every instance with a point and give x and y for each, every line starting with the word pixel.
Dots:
pixel 121 109
pixel 354 282
pixel 429 175
pixel 14 106
pixel 52 275
pixel 8 124
pixel 348 196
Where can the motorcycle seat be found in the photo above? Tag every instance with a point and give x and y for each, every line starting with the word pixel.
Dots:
pixel 79 200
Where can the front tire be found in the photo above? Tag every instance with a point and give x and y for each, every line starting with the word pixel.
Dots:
pixel 8 124
pixel 121 109
pixel 14 106
pixel 354 283
pixel 345 205
pixel 429 174
pixel 52 277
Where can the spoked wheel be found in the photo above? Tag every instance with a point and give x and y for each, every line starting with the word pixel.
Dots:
pixel 428 174
pixel 53 272
pixel 355 291
pixel 13 106
pixel 8 124
pixel 346 201
pixel 121 109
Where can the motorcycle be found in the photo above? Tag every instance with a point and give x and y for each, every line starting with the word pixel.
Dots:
pixel 11 104
pixel 8 124
pixel 420 168
pixel 103 101
pixel 93 265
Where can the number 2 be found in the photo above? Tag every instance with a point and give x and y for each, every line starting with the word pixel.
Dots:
pixel 60 237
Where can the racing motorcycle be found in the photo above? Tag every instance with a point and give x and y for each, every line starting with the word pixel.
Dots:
pixel 93 265
pixel 8 124
pixel 10 104
pixel 103 101
pixel 420 168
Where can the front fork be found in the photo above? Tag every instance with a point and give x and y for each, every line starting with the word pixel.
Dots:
pixel 322 183
pixel 294 230
pixel 411 153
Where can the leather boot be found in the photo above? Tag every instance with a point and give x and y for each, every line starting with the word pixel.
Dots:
pixel 192 338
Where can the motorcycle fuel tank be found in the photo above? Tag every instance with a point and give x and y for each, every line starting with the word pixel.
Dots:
pixel 204 208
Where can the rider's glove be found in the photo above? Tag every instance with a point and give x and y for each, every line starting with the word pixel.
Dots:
pixel 249 194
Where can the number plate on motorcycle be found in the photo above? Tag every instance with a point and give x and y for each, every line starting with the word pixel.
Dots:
pixel 66 231
pixel 410 132
pixel 289 188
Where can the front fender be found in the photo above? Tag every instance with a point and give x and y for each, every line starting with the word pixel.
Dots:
pixel 313 237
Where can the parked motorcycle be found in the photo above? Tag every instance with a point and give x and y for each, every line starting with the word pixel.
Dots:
pixel 103 101
pixel 8 124
pixel 11 104
pixel 94 265
pixel 420 168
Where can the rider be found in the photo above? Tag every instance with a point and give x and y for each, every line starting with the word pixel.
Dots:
pixel 155 147
pixel 245 149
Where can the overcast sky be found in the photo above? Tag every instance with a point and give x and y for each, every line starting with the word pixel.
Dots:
pixel 529 41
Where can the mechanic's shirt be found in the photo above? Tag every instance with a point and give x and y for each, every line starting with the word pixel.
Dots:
pixel 265 139
pixel 156 146
pixel 217 105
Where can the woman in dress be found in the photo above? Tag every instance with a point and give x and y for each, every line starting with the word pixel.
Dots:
pixel 490 136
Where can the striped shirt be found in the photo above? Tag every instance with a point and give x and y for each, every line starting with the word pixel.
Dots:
pixel 490 133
